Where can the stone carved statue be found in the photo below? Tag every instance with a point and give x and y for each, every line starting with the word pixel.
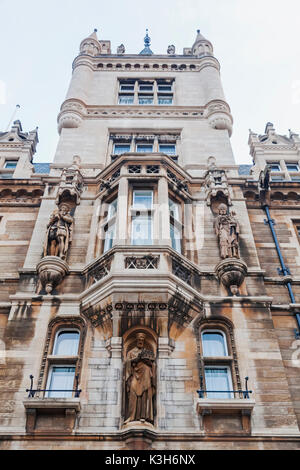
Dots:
pixel 59 232
pixel 171 50
pixel 227 229
pixel 121 49
pixel 140 383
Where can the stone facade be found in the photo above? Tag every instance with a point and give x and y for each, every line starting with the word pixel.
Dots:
pixel 145 229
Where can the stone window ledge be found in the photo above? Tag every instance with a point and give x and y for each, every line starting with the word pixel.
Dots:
pixel 55 414
pixel 221 417
pixel 213 405
pixel 52 403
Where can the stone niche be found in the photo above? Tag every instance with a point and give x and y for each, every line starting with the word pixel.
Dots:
pixel 139 378
pixel 53 415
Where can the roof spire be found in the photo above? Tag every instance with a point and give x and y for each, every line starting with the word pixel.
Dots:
pixel 147 41
pixel 201 45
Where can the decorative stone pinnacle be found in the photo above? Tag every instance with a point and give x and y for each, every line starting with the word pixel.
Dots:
pixel 147 39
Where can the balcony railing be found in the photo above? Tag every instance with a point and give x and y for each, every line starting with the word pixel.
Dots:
pixel 31 391
pixel 243 394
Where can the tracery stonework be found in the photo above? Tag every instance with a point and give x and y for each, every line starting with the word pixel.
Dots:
pixel 140 383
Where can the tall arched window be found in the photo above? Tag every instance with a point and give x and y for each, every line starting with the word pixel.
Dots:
pixel 62 364
pixel 219 370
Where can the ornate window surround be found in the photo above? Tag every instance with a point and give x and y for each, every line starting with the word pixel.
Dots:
pixel 231 360
pixel 56 325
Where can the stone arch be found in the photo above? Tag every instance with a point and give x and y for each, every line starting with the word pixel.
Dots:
pixel 278 196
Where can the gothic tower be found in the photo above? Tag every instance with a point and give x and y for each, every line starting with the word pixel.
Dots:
pixel 140 301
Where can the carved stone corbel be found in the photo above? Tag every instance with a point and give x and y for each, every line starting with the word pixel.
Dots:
pixel 231 272
pixel 51 271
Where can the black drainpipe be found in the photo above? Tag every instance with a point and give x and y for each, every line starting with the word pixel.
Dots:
pixel 284 269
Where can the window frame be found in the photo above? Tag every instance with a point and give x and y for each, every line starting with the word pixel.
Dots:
pixel 50 360
pixel 49 378
pixel 290 164
pixel 207 330
pixel 143 145
pixel 176 223
pixel 126 96
pixel 224 327
pixel 109 221
pixel 138 89
pixel 15 163
pixel 120 144
pixel 167 145
pixel 143 213
pixel 218 396
pixel 60 331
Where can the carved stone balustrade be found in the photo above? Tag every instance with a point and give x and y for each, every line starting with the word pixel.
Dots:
pixel 97 270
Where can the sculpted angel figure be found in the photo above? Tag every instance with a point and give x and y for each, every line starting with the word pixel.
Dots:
pixel 140 383
pixel 59 232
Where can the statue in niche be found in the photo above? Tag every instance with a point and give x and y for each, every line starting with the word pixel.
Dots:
pixel 227 230
pixel 140 383
pixel 59 232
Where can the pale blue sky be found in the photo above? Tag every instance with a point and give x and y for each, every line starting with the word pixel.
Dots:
pixel 256 42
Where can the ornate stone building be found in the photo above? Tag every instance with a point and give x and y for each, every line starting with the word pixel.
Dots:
pixel 149 283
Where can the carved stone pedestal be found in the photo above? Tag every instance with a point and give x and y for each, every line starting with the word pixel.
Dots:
pixel 231 272
pixel 51 271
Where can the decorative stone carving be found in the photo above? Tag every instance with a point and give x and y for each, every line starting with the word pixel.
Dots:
pixel 219 116
pixel 231 272
pixel 99 271
pixel 51 271
pixel 59 232
pixel 227 230
pixel 121 49
pixel 171 50
pixel 215 182
pixel 140 382
pixel 179 184
pixel 143 262
pixel 105 184
pixel 71 181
